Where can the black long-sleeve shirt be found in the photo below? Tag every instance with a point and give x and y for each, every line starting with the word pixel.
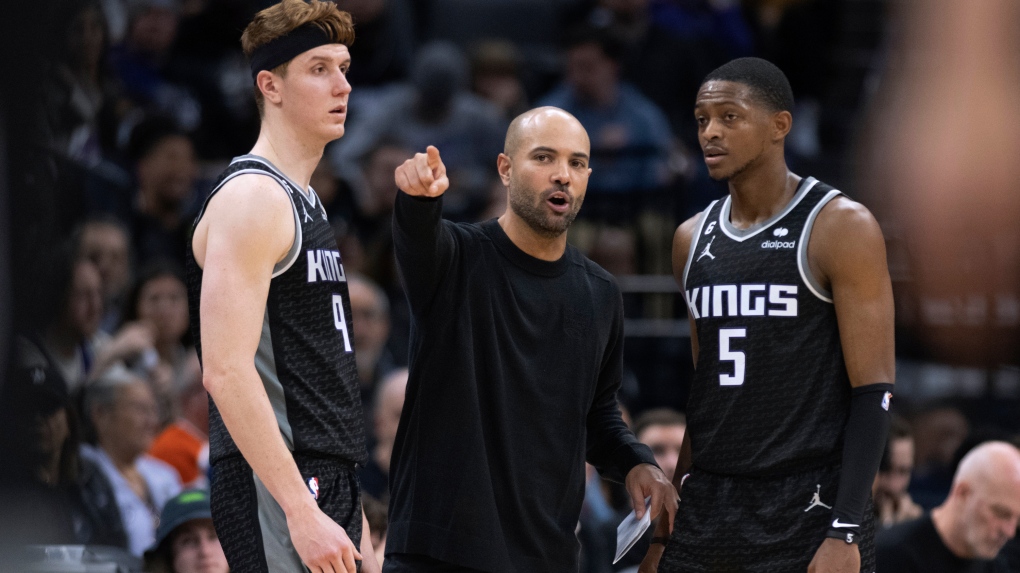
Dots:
pixel 515 364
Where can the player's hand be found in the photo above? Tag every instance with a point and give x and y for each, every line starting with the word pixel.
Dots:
pixel 646 480
pixel 423 175
pixel 321 543
pixel 836 556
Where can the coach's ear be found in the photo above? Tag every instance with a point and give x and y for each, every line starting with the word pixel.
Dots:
pixel 782 121
pixel 269 84
pixel 505 167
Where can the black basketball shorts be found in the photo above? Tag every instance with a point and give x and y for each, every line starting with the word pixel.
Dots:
pixel 728 524
pixel 251 525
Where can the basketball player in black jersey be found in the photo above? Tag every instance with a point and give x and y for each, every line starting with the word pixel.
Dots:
pixel 271 312
pixel 791 315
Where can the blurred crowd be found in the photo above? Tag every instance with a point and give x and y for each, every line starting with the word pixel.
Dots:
pixel 145 101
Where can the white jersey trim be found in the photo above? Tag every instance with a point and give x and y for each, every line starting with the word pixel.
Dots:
pixel 802 248
pixel 693 249
pixel 295 248
pixel 741 235
pixel 309 196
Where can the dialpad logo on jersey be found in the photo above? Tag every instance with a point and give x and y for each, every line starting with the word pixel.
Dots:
pixel 720 301
pixel 781 232
pixel 313 486
pixel 325 265
pixel 778 244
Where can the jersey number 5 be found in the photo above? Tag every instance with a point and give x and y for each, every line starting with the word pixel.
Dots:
pixel 735 356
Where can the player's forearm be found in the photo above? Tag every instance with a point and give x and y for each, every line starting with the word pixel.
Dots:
pixel 245 409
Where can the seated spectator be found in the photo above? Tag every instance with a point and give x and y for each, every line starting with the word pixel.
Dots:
pixel 436 108
pixel 159 300
pixel 106 242
pixel 166 170
pixel 370 313
pixel 50 495
pixel 122 410
pixel 80 87
pixel 389 402
pixel 74 340
pixel 892 501
pixel 969 528
pixel 385 41
pixel 184 444
pixel 186 541
pixel 939 431
pixel 662 430
pixel 630 138
pixel 140 62
pixel 496 76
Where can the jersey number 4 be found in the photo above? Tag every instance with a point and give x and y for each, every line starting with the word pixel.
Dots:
pixel 726 335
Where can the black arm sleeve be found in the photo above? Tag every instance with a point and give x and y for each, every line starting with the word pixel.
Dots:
pixel 863 444
pixel 612 447
pixel 424 247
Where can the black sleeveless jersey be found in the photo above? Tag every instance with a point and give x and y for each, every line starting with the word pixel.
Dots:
pixel 305 356
pixel 771 393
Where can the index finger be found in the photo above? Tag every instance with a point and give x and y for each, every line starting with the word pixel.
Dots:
pixel 433 156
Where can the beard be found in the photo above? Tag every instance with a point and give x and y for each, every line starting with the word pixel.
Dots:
pixel 532 210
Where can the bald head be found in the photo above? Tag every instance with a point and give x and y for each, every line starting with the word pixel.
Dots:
pixel 983 507
pixel 996 463
pixel 527 125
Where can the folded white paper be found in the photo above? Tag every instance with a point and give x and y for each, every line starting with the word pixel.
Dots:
pixel 631 529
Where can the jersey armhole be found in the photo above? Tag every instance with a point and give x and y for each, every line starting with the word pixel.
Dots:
pixel 295 247
pixel 803 265
pixel 693 249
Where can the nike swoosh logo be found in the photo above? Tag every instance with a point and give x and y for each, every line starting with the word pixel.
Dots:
pixel 836 523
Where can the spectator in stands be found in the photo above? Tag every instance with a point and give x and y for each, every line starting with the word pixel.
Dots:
pixel 184 444
pixel 435 109
pixel 159 300
pixel 496 76
pixel 630 137
pixel 50 494
pixel 165 169
pixel 140 63
pixel 370 314
pixel 718 23
pixel 105 241
pixel 389 402
pixel 970 527
pixel 385 41
pixel 666 67
pixel 939 430
pixel 186 541
pixel 662 430
pixel 80 86
pixel 122 410
pixel 893 503
pixel 74 340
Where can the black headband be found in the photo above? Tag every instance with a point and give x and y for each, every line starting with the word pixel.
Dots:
pixel 285 48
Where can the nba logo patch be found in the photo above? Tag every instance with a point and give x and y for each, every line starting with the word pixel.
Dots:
pixel 313 486
pixel 885 401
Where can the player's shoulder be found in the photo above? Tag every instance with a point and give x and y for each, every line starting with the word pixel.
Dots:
pixel 684 234
pixel 250 196
pixel 844 215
